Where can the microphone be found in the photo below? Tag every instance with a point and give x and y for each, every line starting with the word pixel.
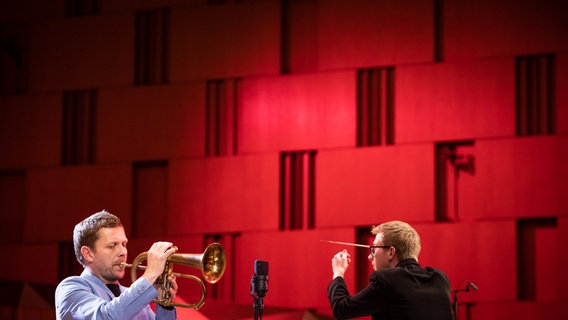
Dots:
pixel 259 282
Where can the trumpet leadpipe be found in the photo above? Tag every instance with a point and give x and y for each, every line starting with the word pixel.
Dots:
pixel 141 267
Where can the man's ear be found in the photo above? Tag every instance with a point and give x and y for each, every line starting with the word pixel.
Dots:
pixel 392 252
pixel 87 254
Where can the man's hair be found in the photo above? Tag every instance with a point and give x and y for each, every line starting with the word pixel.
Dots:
pixel 86 231
pixel 401 236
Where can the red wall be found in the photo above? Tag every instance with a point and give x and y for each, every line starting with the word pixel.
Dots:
pixel 248 134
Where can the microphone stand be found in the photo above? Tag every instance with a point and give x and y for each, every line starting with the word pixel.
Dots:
pixel 467 288
pixel 259 287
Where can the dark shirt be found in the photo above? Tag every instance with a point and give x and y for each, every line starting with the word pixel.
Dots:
pixel 406 292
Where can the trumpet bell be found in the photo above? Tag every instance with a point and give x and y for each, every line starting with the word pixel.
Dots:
pixel 212 261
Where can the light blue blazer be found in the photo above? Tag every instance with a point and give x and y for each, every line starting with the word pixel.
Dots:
pixel 87 297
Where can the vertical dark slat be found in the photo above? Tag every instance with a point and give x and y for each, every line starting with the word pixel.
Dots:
pixel 305 185
pixel 80 120
pixel 362 102
pixel 441 175
pixel 521 89
pixel 65 130
pixel 285 55
pixel 152 46
pixel 138 45
pixel 227 121
pixel 543 103
pixel 79 116
pixel 211 118
pixel 94 99
pixel 235 117
pixel 438 31
pixel 220 139
pixel 284 187
pixel 383 107
pixel 389 107
pixel 533 95
pixel 374 107
pixel 311 201
pixel 296 192
pixel 165 61
pixel 551 93
pixel 73 127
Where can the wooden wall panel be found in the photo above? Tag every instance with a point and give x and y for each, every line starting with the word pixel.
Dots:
pixel 368 185
pixel 562 93
pixel 12 204
pixel 223 41
pixel 28 10
pixel 301 284
pixel 299 36
pixel 374 33
pixel 68 195
pixel 95 51
pixel 151 123
pixel 30 262
pixel 484 253
pixel 451 101
pixel 113 6
pixel 562 234
pixel 489 28
pixel 297 112
pixel 223 194
pixel 518 177
pixel 30 131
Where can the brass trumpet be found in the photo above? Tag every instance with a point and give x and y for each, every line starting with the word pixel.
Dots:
pixel 211 262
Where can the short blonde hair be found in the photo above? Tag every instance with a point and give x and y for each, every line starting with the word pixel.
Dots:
pixel 401 236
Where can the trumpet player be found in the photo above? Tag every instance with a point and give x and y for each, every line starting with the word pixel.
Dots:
pixel 100 243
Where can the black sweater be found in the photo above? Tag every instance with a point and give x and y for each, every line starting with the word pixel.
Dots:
pixel 406 292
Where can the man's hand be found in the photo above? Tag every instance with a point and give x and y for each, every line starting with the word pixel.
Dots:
pixel 157 256
pixel 340 262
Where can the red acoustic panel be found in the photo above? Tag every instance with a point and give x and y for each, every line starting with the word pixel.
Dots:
pixel 562 93
pixel 231 40
pixel 299 266
pixel 490 28
pixel 517 177
pixel 299 37
pixel 30 131
pixel 149 123
pixel 223 194
pixel 30 263
pixel 96 51
pixel 57 199
pixel 562 234
pixel 527 310
pixel 373 33
pixel 484 253
pixel 297 112
pixel 451 101
pixel 367 186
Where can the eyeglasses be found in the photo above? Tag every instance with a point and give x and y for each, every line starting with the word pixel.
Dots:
pixel 372 248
